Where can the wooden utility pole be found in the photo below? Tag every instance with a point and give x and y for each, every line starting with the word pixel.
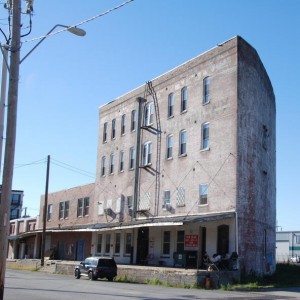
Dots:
pixel 10 140
pixel 45 213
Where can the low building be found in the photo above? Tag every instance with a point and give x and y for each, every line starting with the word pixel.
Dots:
pixel 24 238
pixel 287 245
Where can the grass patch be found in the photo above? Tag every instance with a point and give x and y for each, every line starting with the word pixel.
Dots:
pixel 286 275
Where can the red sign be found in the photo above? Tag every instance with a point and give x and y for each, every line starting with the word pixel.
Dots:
pixel 191 241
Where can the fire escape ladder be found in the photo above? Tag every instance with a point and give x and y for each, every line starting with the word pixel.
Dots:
pixel 157 131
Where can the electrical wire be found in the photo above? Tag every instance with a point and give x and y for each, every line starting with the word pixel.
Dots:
pixel 82 22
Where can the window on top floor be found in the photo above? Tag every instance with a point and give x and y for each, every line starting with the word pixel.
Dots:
pixel 133 120
pixel 206 90
pixel 147 153
pixel 49 212
pixel 83 206
pixel 64 209
pixel 113 129
pixel 105 132
pixel 182 142
pixel 171 105
pixel 149 114
pixel 184 99
pixel 123 124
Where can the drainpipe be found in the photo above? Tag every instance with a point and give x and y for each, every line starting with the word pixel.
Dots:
pixel 236 233
pixel 140 102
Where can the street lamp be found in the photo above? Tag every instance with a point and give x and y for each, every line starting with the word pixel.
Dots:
pixel 75 30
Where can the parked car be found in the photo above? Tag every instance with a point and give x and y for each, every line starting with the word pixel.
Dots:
pixel 97 267
pixel 295 259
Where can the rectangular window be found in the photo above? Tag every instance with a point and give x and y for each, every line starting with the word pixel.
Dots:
pixel 149 114
pixel 79 207
pixel 171 105
pixel 182 142
pixel 206 96
pixel 203 188
pixel 166 242
pixel 167 199
pixel 121 161
pixel 131 158
pixel 103 162
pixel 180 241
pixel 83 206
pixel 112 164
pixel 169 153
pixel 205 136
pixel 63 210
pixel 147 153
pixel 67 208
pixel 107 243
pixel 49 212
pixel 133 120
pixel 113 129
pixel 184 98
pixel 117 243
pixel 104 132
pixel 180 197
pixel 123 123
pixel 99 243
pixel 128 243
pixel 86 206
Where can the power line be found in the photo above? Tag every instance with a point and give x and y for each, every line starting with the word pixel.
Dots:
pixel 82 22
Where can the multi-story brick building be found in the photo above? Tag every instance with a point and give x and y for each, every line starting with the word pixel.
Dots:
pixel 185 165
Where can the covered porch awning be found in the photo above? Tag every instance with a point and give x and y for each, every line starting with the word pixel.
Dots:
pixel 148 222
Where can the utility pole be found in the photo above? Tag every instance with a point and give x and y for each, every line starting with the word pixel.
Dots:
pixel 45 213
pixel 10 139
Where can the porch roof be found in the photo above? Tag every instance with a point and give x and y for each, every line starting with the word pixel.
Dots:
pixel 149 222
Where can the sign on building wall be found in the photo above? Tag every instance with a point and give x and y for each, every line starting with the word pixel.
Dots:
pixel 191 241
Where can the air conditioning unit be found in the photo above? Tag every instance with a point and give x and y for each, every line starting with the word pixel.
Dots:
pixel 108 211
pixel 168 206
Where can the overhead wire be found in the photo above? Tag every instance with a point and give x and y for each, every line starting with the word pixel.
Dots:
pixel 82 22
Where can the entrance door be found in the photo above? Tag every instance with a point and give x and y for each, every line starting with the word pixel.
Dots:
pixel 223 239
pixel 80 250
pixel 142 246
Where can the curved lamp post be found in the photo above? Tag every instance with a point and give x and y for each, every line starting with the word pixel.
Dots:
pixel 71 29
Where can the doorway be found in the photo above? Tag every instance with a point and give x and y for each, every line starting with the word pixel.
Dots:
pixel 142 246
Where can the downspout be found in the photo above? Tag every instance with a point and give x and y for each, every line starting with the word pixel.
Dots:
pixel 236 233
pixel 140 102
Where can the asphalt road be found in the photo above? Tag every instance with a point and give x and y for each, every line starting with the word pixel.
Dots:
pixel 28 285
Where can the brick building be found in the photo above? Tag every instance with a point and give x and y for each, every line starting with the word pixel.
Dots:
pixel 186 165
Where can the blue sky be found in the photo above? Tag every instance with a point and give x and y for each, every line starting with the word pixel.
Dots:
pixel 66 79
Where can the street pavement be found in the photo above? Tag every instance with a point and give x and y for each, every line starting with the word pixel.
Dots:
pixel 28 285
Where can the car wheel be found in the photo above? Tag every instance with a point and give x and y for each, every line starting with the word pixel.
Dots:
pixel 77 274
pixel 91 276
pixel 110 278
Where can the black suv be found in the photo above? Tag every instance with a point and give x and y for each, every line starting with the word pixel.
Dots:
pixel 97 267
